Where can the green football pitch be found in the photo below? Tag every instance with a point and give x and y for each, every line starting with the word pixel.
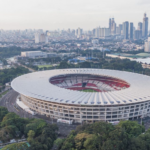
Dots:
pixel 88 90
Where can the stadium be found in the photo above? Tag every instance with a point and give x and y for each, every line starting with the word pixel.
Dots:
pixel 85 95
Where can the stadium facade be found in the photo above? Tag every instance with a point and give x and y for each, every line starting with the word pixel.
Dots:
pixel 85 95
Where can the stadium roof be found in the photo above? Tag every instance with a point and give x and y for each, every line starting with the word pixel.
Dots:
pixel 37 85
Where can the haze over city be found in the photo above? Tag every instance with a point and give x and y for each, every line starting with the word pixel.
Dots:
pixel 58 14
pixel 75 75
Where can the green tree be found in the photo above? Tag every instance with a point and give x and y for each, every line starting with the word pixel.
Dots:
pixel 85 65
pixel 131 127
pixel 31 135
pixel 3 112
pixel 16 146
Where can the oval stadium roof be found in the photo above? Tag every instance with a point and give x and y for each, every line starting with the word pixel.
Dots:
pixel 37 85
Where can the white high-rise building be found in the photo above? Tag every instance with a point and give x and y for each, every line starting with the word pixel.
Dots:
pixel 97 32
pixel 104 32
pixel 41 38
pixel 37 38
pixel 147 45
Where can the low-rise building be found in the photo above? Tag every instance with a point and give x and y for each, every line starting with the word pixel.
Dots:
pixel 34 54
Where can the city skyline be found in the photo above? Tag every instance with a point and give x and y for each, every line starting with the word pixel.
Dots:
pixel 64 14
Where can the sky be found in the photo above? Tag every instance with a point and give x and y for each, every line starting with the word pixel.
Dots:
pixel 64 14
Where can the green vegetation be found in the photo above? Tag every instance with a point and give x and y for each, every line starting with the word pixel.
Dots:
pixel 17 146
pixel 6 52
pixel 7 75
pixel 127 135
pixel 39 134
pixel 3 93
pixel 88 90
pixel 44 66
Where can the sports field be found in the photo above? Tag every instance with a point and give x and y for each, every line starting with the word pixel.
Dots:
pixel 88 90
pixel 42 66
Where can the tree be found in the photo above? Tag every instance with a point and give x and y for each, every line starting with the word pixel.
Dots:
pixel 3 112
pixel 58 142
pixel 131 127
pixel 85 65
pixel 64 65
pixel 31 135
pixel 16 146
pixel 117 140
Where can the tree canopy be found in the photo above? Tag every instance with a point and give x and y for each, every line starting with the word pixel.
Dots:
pixel 127 135
pixel 39 134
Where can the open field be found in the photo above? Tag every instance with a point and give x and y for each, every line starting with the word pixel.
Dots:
pixel 42 66
pixel 88 90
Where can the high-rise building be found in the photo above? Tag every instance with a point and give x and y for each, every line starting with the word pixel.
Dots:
pixel 79 30
pixel 140 25
pixel 117 30
pixel 37 38
pixel 110 24
pixel 137 35
pixel 120 28
pixel 73 32
pixel 93 32
pixel 113 26
pixel 104 32
pixel 147 45
pixel 145 26
pixel 97 32
pixel 126 29
pixel 41 38
pixel 131 30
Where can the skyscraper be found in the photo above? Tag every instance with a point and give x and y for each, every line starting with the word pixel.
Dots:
pixel 126 29
pixel 110 24
pixel 113 26
pixel 145 26
pixel 140 25
pixel 120 28
pixel 104 32
pixel 131 30
pixel 137 35
pixel 97 32
pixel 37 38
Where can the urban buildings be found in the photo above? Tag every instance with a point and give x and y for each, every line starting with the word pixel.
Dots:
pixel 131 31
pixel 147 45
pixel 137 34
pixel 41 38
pixel 34 54
pixel 145 26
pixel 126 30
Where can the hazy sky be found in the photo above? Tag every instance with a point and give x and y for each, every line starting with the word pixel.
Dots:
pixel 64 14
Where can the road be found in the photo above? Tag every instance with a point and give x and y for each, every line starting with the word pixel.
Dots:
pixel 9 101
pixel 30 69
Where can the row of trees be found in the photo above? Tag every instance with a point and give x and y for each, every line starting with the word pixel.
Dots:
pixel 7 75
pixel 114 64
pixel 6 52
pixel 127 135
pixel 39 134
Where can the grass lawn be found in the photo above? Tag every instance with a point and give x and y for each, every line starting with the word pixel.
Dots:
pixel 88 90
pixel 3 93
pixel 42 66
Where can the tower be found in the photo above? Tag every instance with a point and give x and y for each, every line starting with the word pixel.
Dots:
pixel 126 29
pixel 110 25
pixel 131 30
pixel 145 26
